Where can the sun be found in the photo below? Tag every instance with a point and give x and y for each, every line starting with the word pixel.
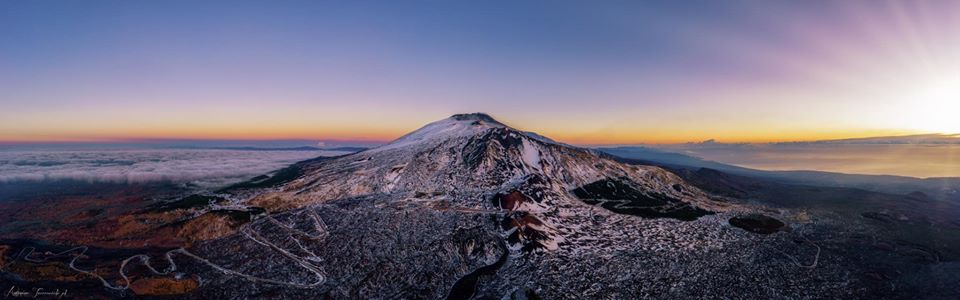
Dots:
pixel 935 107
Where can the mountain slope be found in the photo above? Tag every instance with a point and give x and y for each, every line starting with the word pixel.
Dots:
pixel 471 161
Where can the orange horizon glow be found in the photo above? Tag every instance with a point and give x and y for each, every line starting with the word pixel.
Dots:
pixel 607 136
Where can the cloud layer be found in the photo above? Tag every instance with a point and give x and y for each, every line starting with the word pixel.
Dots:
pixel 200 166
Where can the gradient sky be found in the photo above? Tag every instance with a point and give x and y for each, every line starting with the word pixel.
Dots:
pixel 586 72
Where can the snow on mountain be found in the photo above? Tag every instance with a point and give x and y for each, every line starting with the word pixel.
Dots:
pixel 450 128
pixel 473 162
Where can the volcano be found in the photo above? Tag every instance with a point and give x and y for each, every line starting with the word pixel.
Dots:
pixel 474 162
pixel 470 208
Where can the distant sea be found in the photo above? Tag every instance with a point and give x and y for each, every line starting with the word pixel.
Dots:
pixel 914 160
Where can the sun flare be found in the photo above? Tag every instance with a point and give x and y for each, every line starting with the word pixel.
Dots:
pixel 935 107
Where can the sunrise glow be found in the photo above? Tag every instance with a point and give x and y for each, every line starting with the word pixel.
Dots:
pixel 580 74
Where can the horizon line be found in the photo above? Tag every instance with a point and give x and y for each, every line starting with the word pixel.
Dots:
pixel 383 141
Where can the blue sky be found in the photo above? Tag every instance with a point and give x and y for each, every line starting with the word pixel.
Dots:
pixel 598 71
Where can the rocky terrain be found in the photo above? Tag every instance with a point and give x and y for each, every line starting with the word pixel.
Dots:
pixel 468 207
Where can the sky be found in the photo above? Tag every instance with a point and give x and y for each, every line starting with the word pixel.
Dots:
pixel 583 72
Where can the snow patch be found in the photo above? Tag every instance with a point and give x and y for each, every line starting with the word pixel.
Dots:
pixel 531 154
pixel 393 175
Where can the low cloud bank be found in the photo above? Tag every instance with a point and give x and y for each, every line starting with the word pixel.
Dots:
pixel 199 166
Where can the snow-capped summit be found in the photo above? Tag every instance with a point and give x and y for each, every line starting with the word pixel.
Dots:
pixel 474 162
pixel 455 126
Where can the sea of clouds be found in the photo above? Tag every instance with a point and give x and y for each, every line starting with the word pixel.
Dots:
pixel 207 167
